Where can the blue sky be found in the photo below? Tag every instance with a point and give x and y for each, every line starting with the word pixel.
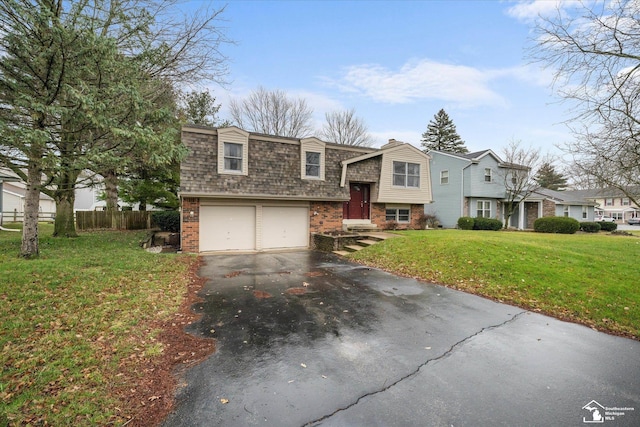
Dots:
pixel 397 63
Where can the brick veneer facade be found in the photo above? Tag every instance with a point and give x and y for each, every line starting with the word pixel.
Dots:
pixel 190 234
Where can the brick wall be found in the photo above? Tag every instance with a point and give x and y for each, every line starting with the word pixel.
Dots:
pixel 328 218
pixel 378 216
pixel 548 208
pixel 190 235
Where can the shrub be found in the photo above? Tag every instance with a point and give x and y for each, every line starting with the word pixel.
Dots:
pixel 487 224
pixel 465 223
pixel 391 225
pixel 556 224
pixel 608 226
pixel 427 220
pixel 589 227
pixel 167 220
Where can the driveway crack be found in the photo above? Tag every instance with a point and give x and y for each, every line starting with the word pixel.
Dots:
pixel 414 372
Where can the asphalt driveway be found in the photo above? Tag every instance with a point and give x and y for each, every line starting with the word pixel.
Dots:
pixel 307 338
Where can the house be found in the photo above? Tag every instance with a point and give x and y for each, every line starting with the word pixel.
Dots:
pixel 12 195
pixel 248 191
pixel 472 184
pixel 611 202
pixel 567 203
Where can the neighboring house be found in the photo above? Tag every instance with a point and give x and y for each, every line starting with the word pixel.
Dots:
pixel 248 191
pixel 472 185
pixel 567 203
pixel 611 202
pixel 12 199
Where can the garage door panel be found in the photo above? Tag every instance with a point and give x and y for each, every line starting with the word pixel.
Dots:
pixel 285 227
pixel 227 228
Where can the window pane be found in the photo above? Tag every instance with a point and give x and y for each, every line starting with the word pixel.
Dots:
pixel 403 215
pixel 413 181
pixel 313 158
pixel 312 170
pixel 399 168
pixel 233 164
pixel 232 150
pixel 414 169
pixel 399 180
pixel 444 177
pixel 390 214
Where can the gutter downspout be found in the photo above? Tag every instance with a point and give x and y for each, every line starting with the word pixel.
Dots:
pixel 462 190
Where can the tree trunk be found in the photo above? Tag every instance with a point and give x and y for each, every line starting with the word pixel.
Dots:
pixel 65 225
pixel 111 190
pixel 65 196
pixel 29 247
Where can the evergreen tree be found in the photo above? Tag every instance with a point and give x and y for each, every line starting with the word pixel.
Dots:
pixel 547 177
pixel 441 135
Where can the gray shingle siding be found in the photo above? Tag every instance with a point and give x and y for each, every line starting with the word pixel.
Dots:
pixel 274 168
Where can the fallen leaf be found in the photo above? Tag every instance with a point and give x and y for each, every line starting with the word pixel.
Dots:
pixel 305 284
pixel 303 365
pixel 224 401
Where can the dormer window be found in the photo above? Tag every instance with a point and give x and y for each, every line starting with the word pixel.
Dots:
pixel 312 159
pixel 232 157
pixel 312 165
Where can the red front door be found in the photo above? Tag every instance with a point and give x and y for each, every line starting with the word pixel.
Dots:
pixel 358 205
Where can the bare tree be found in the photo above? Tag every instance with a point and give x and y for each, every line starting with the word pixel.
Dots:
pixel 593 49
pixel 518 173
pixel 272 112
pixel 343 127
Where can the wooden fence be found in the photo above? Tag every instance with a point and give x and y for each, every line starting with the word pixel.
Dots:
pixel 15 216
pixel 116 220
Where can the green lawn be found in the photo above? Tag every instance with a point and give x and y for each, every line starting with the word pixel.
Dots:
pixel 586 278
pixel 73 318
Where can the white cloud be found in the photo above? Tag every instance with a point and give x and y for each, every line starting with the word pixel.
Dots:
pixel 419 80
pixel 531 9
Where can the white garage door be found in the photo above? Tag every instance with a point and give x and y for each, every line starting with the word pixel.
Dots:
pixel 285 227
pixel 227 228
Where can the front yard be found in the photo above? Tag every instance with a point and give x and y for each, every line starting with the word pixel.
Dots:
pixel 83 329
pixel 584 278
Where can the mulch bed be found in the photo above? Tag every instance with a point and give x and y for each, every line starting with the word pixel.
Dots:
pixel 150 394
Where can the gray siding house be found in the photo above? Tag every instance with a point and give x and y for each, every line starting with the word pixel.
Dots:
pixel 473 185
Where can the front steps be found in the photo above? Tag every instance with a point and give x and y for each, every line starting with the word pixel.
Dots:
pixel 367 239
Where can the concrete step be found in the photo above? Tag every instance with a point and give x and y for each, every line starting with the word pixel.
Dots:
pixel 378 236
pixel 341 253
pixel 367 242
pixel 354 248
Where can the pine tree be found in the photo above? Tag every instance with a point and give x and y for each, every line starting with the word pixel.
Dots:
pixel 547 177
pixel 441 135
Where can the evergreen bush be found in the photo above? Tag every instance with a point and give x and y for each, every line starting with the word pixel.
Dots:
pixel 487 224
pixel 589 227
pixel 167 220
pixel 465 223
pixel 608 226
pixel 556 224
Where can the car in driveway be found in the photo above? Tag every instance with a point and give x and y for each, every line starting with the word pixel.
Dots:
pixel 634 221
pixel 604 219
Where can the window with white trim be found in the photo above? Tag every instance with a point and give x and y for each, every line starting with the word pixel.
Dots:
pixel 398 214
pixel 584 212
pixel 488 177
pixel 406 174
pixel 312 165
pixel 232 157
pixel 566 210
pixel 483 209
pixel 608 202
pixel 617 215
pixel 625 201
pixel 444 177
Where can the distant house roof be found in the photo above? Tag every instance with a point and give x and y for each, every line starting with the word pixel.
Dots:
pixel 476 156
pixel 564 197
